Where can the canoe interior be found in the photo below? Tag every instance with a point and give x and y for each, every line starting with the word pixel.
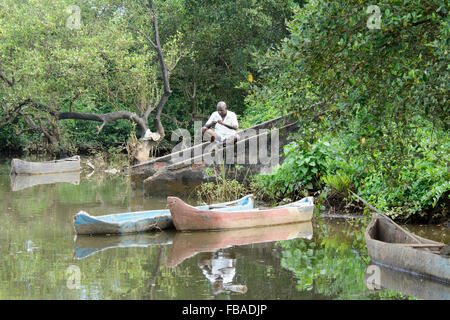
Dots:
pixel 385 230
pixel 302 202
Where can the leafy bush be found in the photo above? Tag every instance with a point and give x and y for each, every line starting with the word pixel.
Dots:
pixel 221 190
pixel 224 188
pixel 339 182
pixel 299 173
pixel 421 187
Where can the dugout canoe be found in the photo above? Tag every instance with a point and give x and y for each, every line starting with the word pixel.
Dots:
pixel 71 164
pixel 188 218
pixel 390 245
pixel 142 221
pixel 187 244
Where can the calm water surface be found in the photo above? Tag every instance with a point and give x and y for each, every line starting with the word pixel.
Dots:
pixel 40 254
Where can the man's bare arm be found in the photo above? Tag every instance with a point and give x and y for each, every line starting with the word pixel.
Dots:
pixel 212 124
pixel 227 125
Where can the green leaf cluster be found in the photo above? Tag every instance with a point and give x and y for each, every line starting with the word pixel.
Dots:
pixel 300 171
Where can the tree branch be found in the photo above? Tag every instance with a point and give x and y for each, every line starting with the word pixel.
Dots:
pixel 11 116
pixel 40 128
pixel 165 74
pixel 146 37
pixel 106 118
pixel 4 78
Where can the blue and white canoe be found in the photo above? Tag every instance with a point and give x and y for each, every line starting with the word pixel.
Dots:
pixel 142 221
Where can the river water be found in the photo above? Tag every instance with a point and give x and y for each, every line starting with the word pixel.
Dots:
pixel 41 258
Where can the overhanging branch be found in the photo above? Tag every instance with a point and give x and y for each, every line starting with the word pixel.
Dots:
pixel 10 83
pixel 106 118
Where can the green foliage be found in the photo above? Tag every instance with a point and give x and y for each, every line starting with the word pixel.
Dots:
pixel 421 189
pixel 379 85
pixel 9 141
pixel 108 65
pixel 223 37
pixel 339 182
pixel 221 190
pixel 380 92
pixel 300 172
pixel 103 66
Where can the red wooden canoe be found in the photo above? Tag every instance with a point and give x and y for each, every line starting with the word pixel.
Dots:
pixel 186 217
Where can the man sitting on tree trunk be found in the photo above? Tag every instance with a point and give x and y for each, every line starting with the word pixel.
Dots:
pixel 224 123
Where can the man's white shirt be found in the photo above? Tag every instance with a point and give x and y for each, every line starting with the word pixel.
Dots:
pixel 222 131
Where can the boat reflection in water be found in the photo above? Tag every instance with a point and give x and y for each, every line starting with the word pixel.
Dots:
pixel 23 181
pixel 378 277
pixel 219 266
pixel 188 244
pixel 86 245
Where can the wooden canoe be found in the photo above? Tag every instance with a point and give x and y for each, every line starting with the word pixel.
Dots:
pixel 188 218
pixel 390 245
pixel 142 221
pixel 188 244
pixel 55 166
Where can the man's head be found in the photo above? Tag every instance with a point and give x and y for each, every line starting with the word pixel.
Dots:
pixel 222 109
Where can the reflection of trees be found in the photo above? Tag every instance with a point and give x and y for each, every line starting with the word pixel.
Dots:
pixel 333 264
pixel 50 198
pixel 156 268
pixel 43 214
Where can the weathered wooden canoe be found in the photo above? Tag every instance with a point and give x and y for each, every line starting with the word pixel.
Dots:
pixel 188 244
pixel 390 245
pixel 142 221
pixel 188 218
pixel 55 166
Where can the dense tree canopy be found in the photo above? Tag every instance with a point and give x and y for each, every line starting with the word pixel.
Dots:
pixel 97 57
pixel 224 36
pixel 105 66
pixel 396 72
